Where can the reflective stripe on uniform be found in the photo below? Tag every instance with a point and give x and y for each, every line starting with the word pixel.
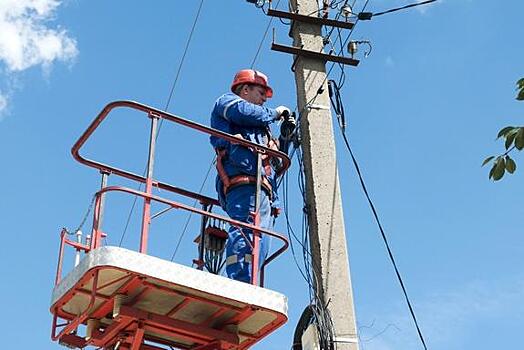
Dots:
pixel 233 259
pixel 229 105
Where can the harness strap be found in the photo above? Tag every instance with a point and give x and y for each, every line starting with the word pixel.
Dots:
pixel 230 182
pixel 248 180
pixel 221 153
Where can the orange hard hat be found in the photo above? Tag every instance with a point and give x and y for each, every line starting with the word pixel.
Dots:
pixel 251 76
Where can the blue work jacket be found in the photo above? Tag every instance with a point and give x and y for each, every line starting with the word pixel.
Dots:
pixel 234 115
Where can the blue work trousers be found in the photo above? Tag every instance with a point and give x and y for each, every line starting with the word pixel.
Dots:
pixel 240 201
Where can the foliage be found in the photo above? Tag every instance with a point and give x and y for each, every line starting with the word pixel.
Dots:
pixel 513 139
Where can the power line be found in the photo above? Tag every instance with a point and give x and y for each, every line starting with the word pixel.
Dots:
pixel 390 254
pixel 369 15
pixel 384 238
pixel 319 312
pixel 191 213
pixel 184 55
pixel 319 91
pixel 338 106
pixel 165 109
pixel 263 39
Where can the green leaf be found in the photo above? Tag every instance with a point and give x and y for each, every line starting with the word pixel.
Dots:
pixel 519 140
pixel 487 160
pixel 520 95
pixel 520 87
pixel 510 137
pixel 492 171
pixel 504 131
pixel 510 165
pixel 500 168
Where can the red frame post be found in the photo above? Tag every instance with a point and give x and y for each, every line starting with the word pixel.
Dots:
pixel 60 256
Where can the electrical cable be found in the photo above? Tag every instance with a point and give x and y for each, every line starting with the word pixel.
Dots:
pixel 321 316
pixel 84 218
pixel 191 213
pixel 336 106
pixel 263 39
pixel 291 232
pixel 384 238
pixel 340 117
pixel 319 91
pixel 322 325
pixel 183 55
pixel 336 102
pixel 165 110
pixel 369 15
pixel 205 180
pixel 208 172
pixel 129 218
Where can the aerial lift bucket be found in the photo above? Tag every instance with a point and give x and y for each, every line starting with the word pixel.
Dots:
pixel 126 297
pixel 116 298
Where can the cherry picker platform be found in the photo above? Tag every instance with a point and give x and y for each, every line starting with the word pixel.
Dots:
pixel 116 298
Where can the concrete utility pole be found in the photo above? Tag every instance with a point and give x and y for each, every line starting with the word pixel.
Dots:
pixel 327 232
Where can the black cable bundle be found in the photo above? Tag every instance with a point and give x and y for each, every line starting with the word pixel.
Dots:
pixel 316 312
pixel 336 103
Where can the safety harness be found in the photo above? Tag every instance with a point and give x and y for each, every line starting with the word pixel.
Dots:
pixel 242 179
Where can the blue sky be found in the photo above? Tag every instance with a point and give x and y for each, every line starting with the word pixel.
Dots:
pixel 423 110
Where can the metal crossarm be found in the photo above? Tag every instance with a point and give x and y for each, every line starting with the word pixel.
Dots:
pixel 310 19
pixel 314 54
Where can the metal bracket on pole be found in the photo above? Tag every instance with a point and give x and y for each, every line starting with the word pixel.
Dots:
pixel 350 340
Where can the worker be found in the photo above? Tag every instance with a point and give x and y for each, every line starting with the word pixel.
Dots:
pixel 241 113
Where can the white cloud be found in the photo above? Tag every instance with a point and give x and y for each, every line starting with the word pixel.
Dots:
pixel 27 39
pixel 3 104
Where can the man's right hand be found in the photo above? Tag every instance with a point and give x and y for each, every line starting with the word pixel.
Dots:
pixel 283 111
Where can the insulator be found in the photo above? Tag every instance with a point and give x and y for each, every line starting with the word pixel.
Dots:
pixel 352 47
pixel 346 11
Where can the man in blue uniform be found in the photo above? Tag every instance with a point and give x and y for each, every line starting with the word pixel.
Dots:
pixel 241 113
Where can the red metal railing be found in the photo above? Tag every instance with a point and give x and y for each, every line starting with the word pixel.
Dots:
pixel 207 202
pixel 63 242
